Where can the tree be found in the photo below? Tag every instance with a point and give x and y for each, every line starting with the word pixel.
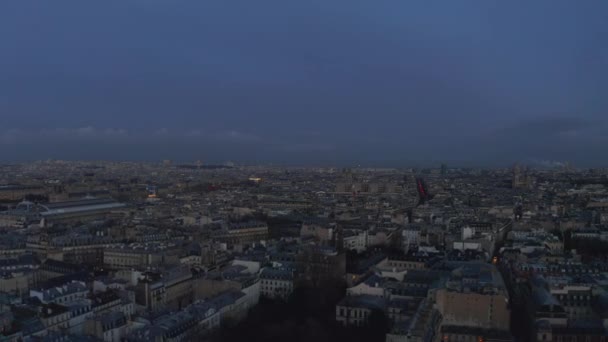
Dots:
pixel 377 325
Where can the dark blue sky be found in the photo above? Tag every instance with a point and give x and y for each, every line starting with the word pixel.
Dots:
pixel 317 81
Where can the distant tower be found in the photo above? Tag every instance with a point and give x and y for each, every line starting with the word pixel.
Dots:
pixel 444 169
pixel 520 178
pixel 199 164
pixel 516 176
pixel 423 192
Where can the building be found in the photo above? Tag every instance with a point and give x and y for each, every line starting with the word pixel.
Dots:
pixel 521 178
pixel 355 240
pixel 173 289
pixel 109 327
pixel 242 233
pixel 193 323
pixel 23 215
pixel 398 263
pixel 48 214
pixel 319 230
pixel 16 282
pixel 562 311
pixel 422 326
pixel 451 333
pixel 64 294
pixel 78 210
pixel 50 269
pixel 111 301
pixel 371 286
pixel 356 310
pixel 316 266
pixel 55 317
pixel 594 331
pixel 276 283
pixel 577 300
pixel 140 255
pixel 15 192
pixel 475 296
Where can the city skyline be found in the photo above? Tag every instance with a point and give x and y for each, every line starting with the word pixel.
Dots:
pixel 345 170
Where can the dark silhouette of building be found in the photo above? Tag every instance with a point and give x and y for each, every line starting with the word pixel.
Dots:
pixel 318 266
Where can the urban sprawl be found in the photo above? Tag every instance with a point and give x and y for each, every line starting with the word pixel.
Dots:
pixel 126 251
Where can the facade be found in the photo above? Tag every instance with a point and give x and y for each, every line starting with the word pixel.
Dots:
pixel 64 294
pixel 16 282
pixel 151 294
pixel 193 323
pixel 51 268
pixel 475 296
pixel 371 286
pixel 135 256
pixel 355 240
pixel 242 233
pixel 109 327
pixel 174 290
pixel 411 235
pixel 356 310
pixel 178 283
pixel 320 231
pixel 400 263
pixel 577 301
pixel 55 317
pixel 584 331
pixel 15 192
pixel 316 266
pixel 423 326
pixel 80 311
pixel 469 334
pixel 276 283
pixel 110 301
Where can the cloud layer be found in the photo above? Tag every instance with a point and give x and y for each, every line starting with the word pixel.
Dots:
pixel 548 141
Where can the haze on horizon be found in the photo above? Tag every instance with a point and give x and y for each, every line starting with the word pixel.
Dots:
pixel 320 82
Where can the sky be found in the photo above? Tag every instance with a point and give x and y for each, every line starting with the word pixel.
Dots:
pixel 318 82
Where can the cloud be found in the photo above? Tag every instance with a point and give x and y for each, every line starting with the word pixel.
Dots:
pixel 235 136
pixel 545 163
pixel 308 147
pixel 571 133
pixel 557 126
pixel 562 130
pixel 161 131
pixel 194 133
pixel 111 134
pixel 86 133
pixel 568 138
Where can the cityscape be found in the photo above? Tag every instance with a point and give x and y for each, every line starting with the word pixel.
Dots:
pixel 303 171
pixel 130 251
